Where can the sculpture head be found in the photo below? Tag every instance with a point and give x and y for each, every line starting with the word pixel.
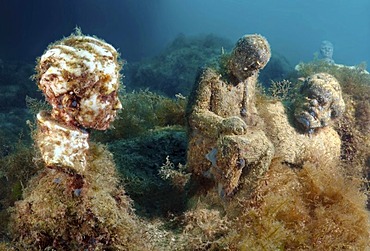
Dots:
pixel 80 78
pixel 326 51
pixel 250 54
pixel 321 102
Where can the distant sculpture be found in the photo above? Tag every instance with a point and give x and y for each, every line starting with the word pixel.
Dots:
pixel 224 138
pixel 326 51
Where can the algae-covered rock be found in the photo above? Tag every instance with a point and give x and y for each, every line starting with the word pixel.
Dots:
pixel 175 69
pixel 66 212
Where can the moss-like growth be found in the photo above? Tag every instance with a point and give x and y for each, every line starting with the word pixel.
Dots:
pixel 313 208
pixel 14 176
pixel 6 247
pixel 67 212
pixel 204 228
pixel 144 111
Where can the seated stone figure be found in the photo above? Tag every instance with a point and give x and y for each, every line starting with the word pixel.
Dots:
pixel 225 139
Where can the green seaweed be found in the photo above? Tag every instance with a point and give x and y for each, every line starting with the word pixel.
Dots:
pixel 144 111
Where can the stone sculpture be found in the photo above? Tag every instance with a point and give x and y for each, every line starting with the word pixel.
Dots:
pixel 321 102
pixel 79 76
pixel 224 138
pixel 326 51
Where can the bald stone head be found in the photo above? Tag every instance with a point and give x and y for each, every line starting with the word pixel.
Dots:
pixel 250 54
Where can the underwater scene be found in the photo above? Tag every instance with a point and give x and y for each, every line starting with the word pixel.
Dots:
pixel 184 125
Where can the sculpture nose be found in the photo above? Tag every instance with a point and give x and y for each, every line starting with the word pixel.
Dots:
pixel 118 105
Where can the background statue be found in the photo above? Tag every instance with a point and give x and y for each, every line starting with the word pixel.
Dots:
pixel 326 51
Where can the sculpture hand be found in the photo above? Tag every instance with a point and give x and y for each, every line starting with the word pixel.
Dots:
pixel 233 125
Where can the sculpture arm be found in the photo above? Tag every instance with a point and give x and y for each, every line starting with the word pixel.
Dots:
pixel 203 119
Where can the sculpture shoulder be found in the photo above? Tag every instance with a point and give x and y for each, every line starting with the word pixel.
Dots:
pixel 203 83
pixel 208 76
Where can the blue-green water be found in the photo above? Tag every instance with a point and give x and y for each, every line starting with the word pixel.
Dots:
pixel 143 28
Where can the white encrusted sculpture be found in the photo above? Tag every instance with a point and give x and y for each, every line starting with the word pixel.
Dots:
pixel 80 78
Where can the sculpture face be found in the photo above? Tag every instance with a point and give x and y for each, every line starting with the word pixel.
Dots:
pixel 80 78
pixel 251 53
pixel 322 102
pixel 98 110
pixel 326 50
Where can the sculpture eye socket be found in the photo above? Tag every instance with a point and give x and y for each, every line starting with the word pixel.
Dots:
pixel 73 101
